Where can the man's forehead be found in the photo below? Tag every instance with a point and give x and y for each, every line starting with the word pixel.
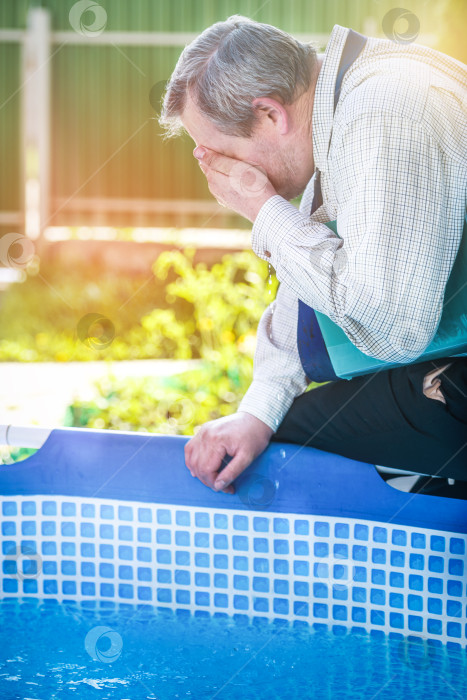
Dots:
pixel 203 132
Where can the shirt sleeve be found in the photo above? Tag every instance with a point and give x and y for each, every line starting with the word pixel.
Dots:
pixel 278 376
pixel 383 283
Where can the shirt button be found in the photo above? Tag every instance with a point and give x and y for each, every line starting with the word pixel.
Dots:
pixel 267 253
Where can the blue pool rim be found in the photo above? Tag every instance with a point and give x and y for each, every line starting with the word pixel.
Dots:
pixel 285 478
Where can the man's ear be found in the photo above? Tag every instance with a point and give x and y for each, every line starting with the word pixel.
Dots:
pixel 275 111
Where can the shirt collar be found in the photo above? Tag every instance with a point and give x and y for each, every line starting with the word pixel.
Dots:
pixel 323 105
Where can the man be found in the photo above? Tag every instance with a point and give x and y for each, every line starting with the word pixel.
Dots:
pixel 391 159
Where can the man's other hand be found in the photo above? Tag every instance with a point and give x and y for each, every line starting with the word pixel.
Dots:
pixel 241 435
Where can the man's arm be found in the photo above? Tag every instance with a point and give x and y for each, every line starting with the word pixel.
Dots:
pixel 278 378
pixel 384 283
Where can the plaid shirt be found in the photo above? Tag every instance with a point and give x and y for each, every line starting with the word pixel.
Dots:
pixel 395 178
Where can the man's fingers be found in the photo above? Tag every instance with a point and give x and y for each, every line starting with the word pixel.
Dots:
pixel 218 162
pixel 204 461
pixel 187 450
pixel 214 160
pixel 235 467
pixel 207 459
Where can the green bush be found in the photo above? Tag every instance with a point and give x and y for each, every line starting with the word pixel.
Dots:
pixel 40 318
pixel 211 314
pixel 218 313
pixel 223 305
pixel 173 405
pixel 11 455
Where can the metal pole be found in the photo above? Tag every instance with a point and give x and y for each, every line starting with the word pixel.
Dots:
pixel 36 123
pixel 23 436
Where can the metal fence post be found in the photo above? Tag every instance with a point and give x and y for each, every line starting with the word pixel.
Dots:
pixel 35 110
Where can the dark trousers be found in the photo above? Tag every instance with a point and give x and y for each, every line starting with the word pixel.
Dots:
pixel 385 419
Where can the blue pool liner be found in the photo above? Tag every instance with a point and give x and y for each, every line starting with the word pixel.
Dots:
pixel 285 478
pixel 309 538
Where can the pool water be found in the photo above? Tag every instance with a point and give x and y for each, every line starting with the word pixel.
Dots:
pixel 51 649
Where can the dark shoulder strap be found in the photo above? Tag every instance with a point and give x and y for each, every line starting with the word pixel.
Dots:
pixel 352 49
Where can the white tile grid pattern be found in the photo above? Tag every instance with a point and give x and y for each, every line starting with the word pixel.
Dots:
pixel 425 595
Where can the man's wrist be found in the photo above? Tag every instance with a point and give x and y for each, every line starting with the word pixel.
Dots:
pixel 262 227
pixel 264 427
pixel 259 203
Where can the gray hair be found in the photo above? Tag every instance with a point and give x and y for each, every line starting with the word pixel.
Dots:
pixel 230 64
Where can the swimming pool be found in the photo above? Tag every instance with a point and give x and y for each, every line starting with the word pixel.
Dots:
pixel 124 577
